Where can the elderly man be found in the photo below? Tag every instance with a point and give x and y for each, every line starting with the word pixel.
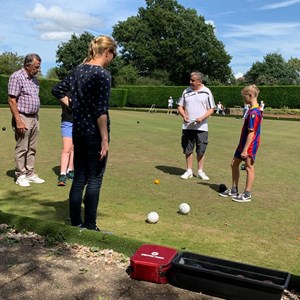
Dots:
pixel 24 103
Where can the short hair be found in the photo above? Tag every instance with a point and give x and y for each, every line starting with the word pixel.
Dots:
pixel 29 58
pixel 199 75
pixel 251 89
pixel 98 45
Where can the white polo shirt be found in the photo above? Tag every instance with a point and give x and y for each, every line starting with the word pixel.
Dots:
pixel 196 104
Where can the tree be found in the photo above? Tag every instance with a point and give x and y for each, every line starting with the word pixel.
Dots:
pixel 126 75
pixel 295 63
pixel 166 37
pixel 70 54
pixel 10 62
pixel 272 71
pixel 52 73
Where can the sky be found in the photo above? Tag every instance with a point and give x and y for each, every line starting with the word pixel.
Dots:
pixel 249 29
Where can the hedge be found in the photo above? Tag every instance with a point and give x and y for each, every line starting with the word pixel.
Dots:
pixel 118 96
pixel 146 96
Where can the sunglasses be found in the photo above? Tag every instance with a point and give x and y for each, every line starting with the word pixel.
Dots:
pixel 113 52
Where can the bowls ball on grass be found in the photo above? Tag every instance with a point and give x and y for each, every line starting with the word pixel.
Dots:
pixel 152 217
pixel 184 209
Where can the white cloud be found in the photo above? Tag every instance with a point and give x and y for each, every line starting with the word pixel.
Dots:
pixel 238 75
pixel 279 4
pixel 261 29
pixel 56 36
pixel 55 19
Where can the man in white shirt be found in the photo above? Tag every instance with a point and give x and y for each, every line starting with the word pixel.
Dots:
pixel 170 105
pixel 195 106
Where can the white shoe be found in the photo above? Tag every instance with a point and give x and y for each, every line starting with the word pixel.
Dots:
pixel 22 181
pixel 187 175
pixel 35 179
pixel 202 176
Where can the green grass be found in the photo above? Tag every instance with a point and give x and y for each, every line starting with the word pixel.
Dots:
pixel 263 232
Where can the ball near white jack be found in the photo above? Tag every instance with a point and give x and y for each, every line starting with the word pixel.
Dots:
pixel 152 217
pixel 184 208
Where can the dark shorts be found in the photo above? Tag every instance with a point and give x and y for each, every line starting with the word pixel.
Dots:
pixel 190 138
pixel 237 154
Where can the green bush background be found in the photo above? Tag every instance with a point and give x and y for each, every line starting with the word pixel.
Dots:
pixel 145 96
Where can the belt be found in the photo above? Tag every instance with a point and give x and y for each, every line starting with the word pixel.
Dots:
pixel 29 115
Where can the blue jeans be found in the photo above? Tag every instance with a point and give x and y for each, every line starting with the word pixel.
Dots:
pixel 88 173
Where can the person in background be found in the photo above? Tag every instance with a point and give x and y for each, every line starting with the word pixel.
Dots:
pixel 170 105
pixel 245 110
pixel 24 103
pixel 220 108
pixel 195 106
pixel 67 153
pixel 261 108
pixel 247 147
pixel 89 85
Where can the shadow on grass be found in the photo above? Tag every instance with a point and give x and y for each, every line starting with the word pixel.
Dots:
pixel 61 210
pixel 213 186
pixel 171 170
pixel 56 170
pixel 11 173
pixel 30 202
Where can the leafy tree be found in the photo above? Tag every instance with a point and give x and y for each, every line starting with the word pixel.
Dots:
pixel 272 71
pixel 295 63
pixel 167 37
pixel 70 54
pixel 126 75
pixel 52 73
pixel 10 62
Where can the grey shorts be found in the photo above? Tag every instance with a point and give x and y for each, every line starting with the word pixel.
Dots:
pixel 190 138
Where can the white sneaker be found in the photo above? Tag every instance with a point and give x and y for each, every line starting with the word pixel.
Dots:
pixel 22 181
pixel 35 179
pixel 187 175
pixel 202 176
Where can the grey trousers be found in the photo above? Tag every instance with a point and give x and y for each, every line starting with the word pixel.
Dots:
pixel 26 145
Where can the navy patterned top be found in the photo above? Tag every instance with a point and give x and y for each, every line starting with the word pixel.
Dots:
pixel 89 86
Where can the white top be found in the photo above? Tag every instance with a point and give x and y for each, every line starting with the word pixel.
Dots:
pixel 196 104
pixel 170 102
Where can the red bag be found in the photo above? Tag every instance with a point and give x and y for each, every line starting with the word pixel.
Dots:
pixel 151 263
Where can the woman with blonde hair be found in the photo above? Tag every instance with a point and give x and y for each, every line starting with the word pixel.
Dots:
pixel 89 85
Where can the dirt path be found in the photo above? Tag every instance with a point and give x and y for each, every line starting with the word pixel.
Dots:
pixel 31 269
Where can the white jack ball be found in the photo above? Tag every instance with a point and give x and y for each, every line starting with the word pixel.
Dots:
pixel 184 208
pixel 152 217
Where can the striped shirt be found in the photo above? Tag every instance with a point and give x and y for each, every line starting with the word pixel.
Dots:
pixel 252 123
pixel 26 90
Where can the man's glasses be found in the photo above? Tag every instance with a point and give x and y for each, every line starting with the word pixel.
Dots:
pixel 36 68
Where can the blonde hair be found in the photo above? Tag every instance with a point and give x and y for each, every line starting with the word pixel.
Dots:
pixel 253 89
pixel 98 45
